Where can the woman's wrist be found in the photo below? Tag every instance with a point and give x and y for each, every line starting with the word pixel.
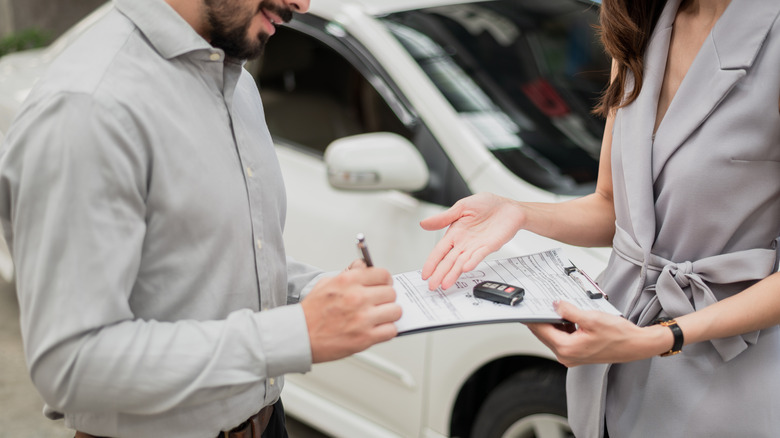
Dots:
pixel 659 339
pixel 519 214
pixel 535 217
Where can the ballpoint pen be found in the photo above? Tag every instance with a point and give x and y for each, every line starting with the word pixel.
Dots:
pixel 361 244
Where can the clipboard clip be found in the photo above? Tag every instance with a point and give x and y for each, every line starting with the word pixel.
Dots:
pixel 578 279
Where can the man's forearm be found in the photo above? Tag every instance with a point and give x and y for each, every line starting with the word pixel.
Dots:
pixel 148 367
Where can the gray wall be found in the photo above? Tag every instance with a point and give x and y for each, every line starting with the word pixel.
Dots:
pixel 54 16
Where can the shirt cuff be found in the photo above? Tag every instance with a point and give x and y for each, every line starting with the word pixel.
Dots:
pixel 310 285
pixel 284 336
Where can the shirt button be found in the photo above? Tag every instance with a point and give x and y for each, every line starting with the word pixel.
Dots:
pixel 259 244
pixel 249 172
pixel 271 381
pixel 215 57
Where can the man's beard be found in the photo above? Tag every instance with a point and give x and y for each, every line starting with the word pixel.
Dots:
pixel 230 26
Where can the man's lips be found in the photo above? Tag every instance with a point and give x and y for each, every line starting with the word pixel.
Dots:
pixel 271 19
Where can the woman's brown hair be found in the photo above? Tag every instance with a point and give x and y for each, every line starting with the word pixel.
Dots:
pixel 626 26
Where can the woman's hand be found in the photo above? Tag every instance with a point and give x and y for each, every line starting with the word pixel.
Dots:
pixel 478 225
pixel 600 338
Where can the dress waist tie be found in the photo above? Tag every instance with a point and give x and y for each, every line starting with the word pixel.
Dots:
pixel 670 298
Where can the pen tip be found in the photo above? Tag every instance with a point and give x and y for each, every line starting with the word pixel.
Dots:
pixel 361 237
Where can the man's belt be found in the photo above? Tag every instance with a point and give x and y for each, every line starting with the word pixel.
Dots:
pixel 253 427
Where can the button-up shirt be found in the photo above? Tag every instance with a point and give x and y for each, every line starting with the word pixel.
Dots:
pixel 143 202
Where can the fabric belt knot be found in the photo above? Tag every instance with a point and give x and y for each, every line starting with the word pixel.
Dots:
pixel 683 287
pixel 682 273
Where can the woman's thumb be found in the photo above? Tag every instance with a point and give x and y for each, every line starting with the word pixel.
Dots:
pixel 568 311
pixel 439 221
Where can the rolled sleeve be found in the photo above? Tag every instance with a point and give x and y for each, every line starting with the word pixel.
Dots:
pixel 301 278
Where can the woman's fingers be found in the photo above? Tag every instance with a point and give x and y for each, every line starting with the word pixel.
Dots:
pixel 441 220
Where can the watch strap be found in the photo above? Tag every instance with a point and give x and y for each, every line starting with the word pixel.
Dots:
pixel 679 339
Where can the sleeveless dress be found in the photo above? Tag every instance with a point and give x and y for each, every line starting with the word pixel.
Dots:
pixel 697 214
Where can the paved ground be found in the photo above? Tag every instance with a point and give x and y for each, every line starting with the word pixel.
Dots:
pixel 20 406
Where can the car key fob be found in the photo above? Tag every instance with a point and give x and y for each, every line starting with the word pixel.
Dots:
pixel 499 292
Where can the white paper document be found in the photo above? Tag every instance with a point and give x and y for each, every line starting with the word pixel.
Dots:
pixel 545 276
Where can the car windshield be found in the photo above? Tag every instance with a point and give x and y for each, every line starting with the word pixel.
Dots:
pixel 524 75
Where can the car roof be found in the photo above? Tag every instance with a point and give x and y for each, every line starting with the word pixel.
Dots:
pixel 333 8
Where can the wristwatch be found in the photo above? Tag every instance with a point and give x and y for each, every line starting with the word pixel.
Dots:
pixel 676 332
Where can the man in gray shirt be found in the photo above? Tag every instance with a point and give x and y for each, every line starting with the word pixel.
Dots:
pixel 142 200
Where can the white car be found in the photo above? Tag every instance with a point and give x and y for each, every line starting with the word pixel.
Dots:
pixel 386 112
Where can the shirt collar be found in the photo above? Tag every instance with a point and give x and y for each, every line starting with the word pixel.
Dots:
pixel 165 29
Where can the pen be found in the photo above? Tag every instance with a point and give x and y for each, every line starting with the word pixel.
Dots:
pixel 361 244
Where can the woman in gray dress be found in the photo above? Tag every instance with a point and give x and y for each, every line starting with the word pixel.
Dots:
pixel 688 197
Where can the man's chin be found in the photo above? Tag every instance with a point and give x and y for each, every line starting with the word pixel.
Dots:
pixel 258 46
pixel 248 50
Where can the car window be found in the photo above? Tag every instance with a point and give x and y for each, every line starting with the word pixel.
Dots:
pixel 319 84
pixel 524 75
pixel 312 95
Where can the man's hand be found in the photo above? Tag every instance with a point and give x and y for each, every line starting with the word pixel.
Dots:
pixel 348 313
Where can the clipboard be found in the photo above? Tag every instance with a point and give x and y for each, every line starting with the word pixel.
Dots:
pixel 546 276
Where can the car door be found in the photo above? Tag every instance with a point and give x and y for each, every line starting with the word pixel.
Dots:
pixel 317 86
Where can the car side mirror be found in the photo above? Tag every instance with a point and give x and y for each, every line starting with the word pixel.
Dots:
pixel 376 161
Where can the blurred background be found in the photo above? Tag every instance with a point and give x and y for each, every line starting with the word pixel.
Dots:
pixel 32 23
